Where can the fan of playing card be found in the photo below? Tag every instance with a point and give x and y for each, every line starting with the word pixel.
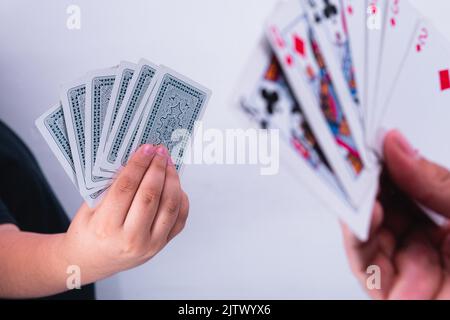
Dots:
pixel 107 114
pixel 333 76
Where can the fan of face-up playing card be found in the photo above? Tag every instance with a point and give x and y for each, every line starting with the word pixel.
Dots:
pixel 266 98
pixel 347 71
pixel 319 86
pixel 271 98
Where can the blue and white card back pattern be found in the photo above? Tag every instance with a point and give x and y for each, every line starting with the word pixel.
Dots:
pixel 176 104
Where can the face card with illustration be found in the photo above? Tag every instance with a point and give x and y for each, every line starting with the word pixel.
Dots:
pixel 331 30
pixel 400 26
pixel 419 105
pixel 271 99
pixel 375 17
pixel 264 96
pixel 330 27
pixel 313 86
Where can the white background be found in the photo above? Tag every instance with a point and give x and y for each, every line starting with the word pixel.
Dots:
pixel 248 236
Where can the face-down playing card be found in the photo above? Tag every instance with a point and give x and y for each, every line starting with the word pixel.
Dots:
pixel 170 114
pixel 99 84
pixel 73 99
pixel 123 132
pixel 52 126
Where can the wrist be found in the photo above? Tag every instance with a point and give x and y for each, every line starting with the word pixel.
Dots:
pixel 52 251
pixel 71 262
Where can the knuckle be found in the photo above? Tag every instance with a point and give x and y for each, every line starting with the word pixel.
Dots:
pixel 184 214
pixel 173 202
pixel 132 247
pixel 150 196
pixel 102 232
pixel 139 163
pixel 126 184
pixel 129 250
pixel 172 206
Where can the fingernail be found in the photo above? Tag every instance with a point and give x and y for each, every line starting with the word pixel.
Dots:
pixel 162 151
pixel 148 150
pixel 404 144
pixel 446 246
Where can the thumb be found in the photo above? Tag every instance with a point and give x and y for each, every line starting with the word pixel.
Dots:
pixel 422 180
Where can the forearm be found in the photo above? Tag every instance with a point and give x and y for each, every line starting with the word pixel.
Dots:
pixel 31 265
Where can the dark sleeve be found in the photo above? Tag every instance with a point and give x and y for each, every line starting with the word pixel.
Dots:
pixel 5 216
